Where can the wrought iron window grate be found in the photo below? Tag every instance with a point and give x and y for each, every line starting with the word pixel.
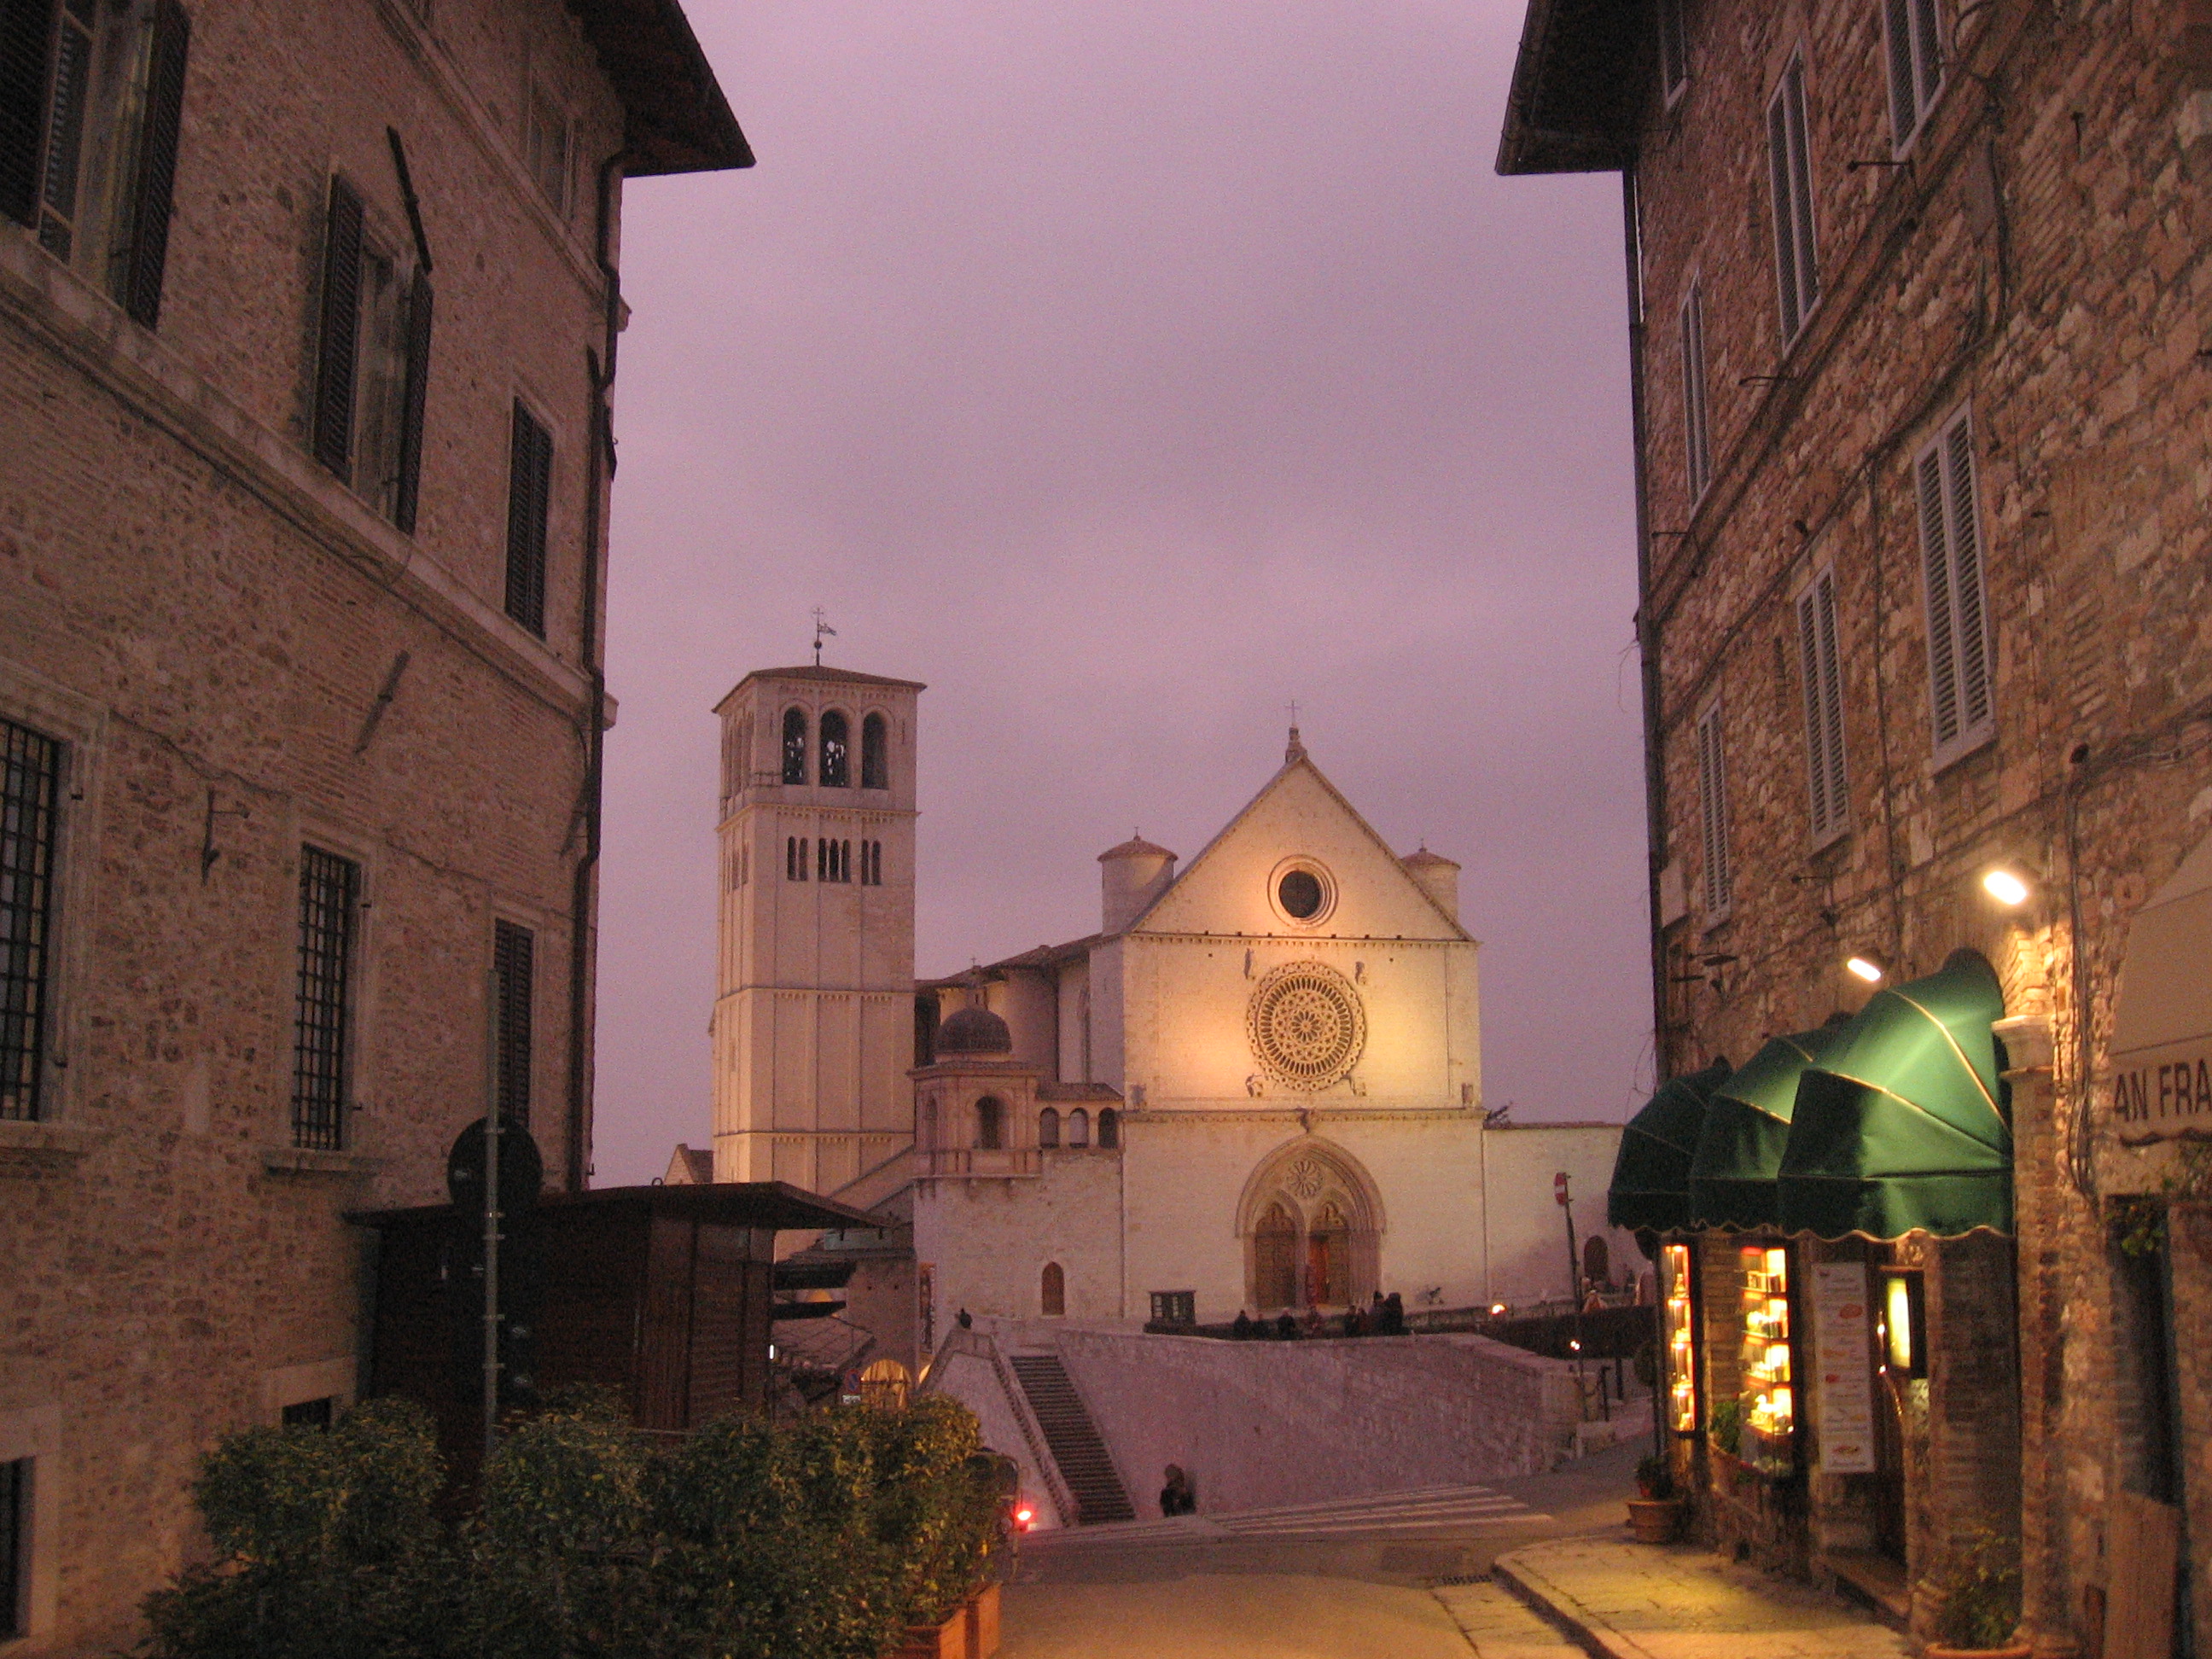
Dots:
pixel 30 784
pixel 330 894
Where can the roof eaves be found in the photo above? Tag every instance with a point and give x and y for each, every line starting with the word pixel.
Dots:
pixel 1578 88
pixel 677 119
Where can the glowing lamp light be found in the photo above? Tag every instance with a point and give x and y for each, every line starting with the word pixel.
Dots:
pixel 2005 887
pixel 1575 1343
pixel 1867 968
pixel 1024 1517
pixel 1497 1309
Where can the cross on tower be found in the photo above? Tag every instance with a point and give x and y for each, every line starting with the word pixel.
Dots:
pixel 821 628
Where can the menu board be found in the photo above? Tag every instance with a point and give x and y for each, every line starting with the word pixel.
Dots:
pixel 1842 1332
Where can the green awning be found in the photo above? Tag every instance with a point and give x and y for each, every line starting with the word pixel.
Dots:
pixel 1651 1174
pixel 1904 1125
pixel 1746 1126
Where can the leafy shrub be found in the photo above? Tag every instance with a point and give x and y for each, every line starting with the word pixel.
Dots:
pixel 1724 1426
pixel 1980 1592
pixel 820 1539
pixel 1655 1475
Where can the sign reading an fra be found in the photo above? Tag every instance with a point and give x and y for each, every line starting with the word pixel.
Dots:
pixel 2161 1053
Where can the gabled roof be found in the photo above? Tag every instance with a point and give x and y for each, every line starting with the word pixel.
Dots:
pixel 1579 83
pixel 678 120
pixel 1300 761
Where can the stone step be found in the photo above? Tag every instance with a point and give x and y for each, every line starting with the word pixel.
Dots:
pixel 1072 1439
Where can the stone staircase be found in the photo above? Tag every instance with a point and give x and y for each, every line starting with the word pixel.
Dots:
pixel 1073 1438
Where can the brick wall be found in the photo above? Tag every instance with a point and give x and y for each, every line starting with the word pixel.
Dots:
pixel 207 617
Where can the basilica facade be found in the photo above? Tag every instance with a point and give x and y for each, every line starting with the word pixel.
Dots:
pixel 1257 1087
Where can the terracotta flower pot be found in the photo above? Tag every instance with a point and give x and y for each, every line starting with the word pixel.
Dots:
pixel 1655 1520
pixel 946 1641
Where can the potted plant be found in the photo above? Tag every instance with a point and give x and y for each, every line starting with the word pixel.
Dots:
pixel 1656 1516
pixel 1979 1608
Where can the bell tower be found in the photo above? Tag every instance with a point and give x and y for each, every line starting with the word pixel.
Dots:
pixel 813 1021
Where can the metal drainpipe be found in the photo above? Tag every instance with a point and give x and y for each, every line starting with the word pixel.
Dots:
pixel 1647 627
pixel 599 467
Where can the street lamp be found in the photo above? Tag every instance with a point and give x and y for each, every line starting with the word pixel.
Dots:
pixel 1866 968
pixel 2006 887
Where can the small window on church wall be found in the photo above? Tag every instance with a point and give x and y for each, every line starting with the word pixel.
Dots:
pixel 1049 1127
pixel 875 753
pixel 1078 1127
pixel 836 757
pixel 1109 1127
pixel 1299 892
pixel 794 745
pixel 990 1123
pixel 1051 1292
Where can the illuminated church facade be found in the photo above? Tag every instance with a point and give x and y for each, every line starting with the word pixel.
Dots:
pixel 1256 1087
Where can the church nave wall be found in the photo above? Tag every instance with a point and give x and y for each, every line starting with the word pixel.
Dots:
pixel 989 1241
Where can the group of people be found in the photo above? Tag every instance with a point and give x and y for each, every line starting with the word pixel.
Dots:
pixel 1385 1317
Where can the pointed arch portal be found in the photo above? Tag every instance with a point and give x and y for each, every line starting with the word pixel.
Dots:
pixel 1311 1221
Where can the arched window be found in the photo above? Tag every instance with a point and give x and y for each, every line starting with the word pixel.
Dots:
pixel 885 1383
pixel 875 753
pixel 1049 1127
pixel 1328 1260
pixel 1051 1291
pixel 794 745
pixel 990 1123
pixel 1274 1259
pixel 1109 1127
pixel 1078 1127
pixel 1598 1262
pixel 837 752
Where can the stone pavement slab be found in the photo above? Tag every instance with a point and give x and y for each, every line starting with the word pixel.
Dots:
pixel 1228 1616
pixel 1498 1625
pixel 1640 1602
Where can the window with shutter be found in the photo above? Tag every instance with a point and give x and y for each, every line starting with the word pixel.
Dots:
pixel 1696 437
pixel 1913 36
pixel 1790 170
pixel 515 967
pixel 1674 48
pixel 329 898
pixel 1961 671
pixel 1818 655
pixel 15 1479
pixel 1712 807
pixel 27 37
pixel 407 482
pixel 529 492
pixel 139 259
pixel 336 349
pixel 30 802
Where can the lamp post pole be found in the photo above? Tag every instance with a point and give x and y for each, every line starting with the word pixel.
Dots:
pixel 491 1218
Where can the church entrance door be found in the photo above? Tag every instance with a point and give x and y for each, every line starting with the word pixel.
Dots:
pixel 1328 1260
pixel 1275 1244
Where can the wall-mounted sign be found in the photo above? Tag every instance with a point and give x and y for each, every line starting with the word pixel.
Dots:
pixel 1843 1400
pixel 2161 1055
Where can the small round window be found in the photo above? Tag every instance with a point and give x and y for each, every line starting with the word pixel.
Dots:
pixel 1300 893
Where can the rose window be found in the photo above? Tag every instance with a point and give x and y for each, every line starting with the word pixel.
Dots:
pixel 1306 1025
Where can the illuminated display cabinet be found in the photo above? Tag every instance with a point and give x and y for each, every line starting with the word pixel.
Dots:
pixel 1681 1341
pixel 1769 1404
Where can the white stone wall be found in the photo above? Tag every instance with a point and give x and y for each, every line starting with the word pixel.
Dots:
pixel 1528 1236
pixel 1261 1422
pixel 989 1239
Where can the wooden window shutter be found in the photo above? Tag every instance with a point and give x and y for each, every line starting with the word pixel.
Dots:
pixel 514 963
pixel 419 303
pixel 1961 696
pixel 1904 101
pixel 336 357
pixel 27 37
pixel 529 491
pixel 1827 780
pixel 1712 804
pixel 154 193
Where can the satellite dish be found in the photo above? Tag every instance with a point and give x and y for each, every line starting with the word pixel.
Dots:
pixel 521 1171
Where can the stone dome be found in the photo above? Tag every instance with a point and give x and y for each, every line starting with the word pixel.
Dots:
pixel 975 1031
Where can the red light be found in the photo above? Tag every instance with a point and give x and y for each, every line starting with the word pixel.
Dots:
pixel 1022 1516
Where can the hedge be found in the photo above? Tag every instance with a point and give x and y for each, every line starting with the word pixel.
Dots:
pixel 819 1539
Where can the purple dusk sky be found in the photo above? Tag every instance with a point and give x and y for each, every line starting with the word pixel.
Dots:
pixel 1125 373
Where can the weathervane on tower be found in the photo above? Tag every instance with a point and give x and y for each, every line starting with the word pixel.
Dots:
pixel 1297 750
pixel 822 629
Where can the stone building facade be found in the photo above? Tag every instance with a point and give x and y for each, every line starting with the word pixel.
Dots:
pixel 1917 294
pixel 307 328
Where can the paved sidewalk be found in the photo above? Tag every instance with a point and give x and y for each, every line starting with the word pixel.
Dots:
pixel 1639 1601
pixel 1498 1625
